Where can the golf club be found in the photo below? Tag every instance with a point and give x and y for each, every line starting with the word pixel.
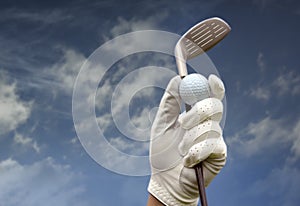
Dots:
pixel 197 40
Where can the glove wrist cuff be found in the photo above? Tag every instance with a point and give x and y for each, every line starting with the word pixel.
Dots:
pixel 160 193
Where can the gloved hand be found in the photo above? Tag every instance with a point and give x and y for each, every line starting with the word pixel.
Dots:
pixel 178 142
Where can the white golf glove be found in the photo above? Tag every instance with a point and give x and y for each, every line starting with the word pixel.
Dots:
pixel 180 142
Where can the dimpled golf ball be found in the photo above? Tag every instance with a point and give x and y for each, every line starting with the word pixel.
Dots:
pixel 194 88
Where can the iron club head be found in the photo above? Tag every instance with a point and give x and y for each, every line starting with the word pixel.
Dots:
pixel 199 39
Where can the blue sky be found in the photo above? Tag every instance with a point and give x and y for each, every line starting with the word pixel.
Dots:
pixel 45 43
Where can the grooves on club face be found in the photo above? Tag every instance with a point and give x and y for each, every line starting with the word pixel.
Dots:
pixel 203 36
pixel 199 39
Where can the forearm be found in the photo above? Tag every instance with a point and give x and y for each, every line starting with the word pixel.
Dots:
pixel 152 201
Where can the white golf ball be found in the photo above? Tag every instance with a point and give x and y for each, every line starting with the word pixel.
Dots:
pixel 194 88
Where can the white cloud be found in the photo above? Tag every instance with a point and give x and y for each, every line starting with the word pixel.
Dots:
pixel 42 183
pixel 139 84
pixel 74 140
pixel 287 83
pixel 128 88
pixel 13 110
pixel 137 81
pixel 26 142
pixel 104 92
pixel 134 24
pixel 265 135
pixel 261 93
pixel 130 80
pixel 143 119
pixel 60 77
pixel 261 62
pixel 264 139
pixel 125 84
pixel 65 71
pixel 46 17
pixel 135 148
pixel 296 144
pixel 104 121
pixel 280 186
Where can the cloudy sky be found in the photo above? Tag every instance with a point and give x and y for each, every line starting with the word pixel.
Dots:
pixel 44 44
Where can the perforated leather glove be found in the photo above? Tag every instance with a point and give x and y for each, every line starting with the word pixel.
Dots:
pixel 178 142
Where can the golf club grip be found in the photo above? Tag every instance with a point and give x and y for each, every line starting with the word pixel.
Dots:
pixel 199 172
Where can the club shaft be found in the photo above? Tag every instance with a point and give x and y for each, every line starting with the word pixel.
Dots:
pixel 200 181
pixel 181 62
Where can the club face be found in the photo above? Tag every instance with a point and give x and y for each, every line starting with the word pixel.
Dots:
pixel 199 39
pixel 204 36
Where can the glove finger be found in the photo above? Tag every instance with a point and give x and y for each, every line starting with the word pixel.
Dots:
pixel 211 108
pixel 199 133
pixel 201 151
pixel 169 108
pixel 216 86
pixel 212 167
